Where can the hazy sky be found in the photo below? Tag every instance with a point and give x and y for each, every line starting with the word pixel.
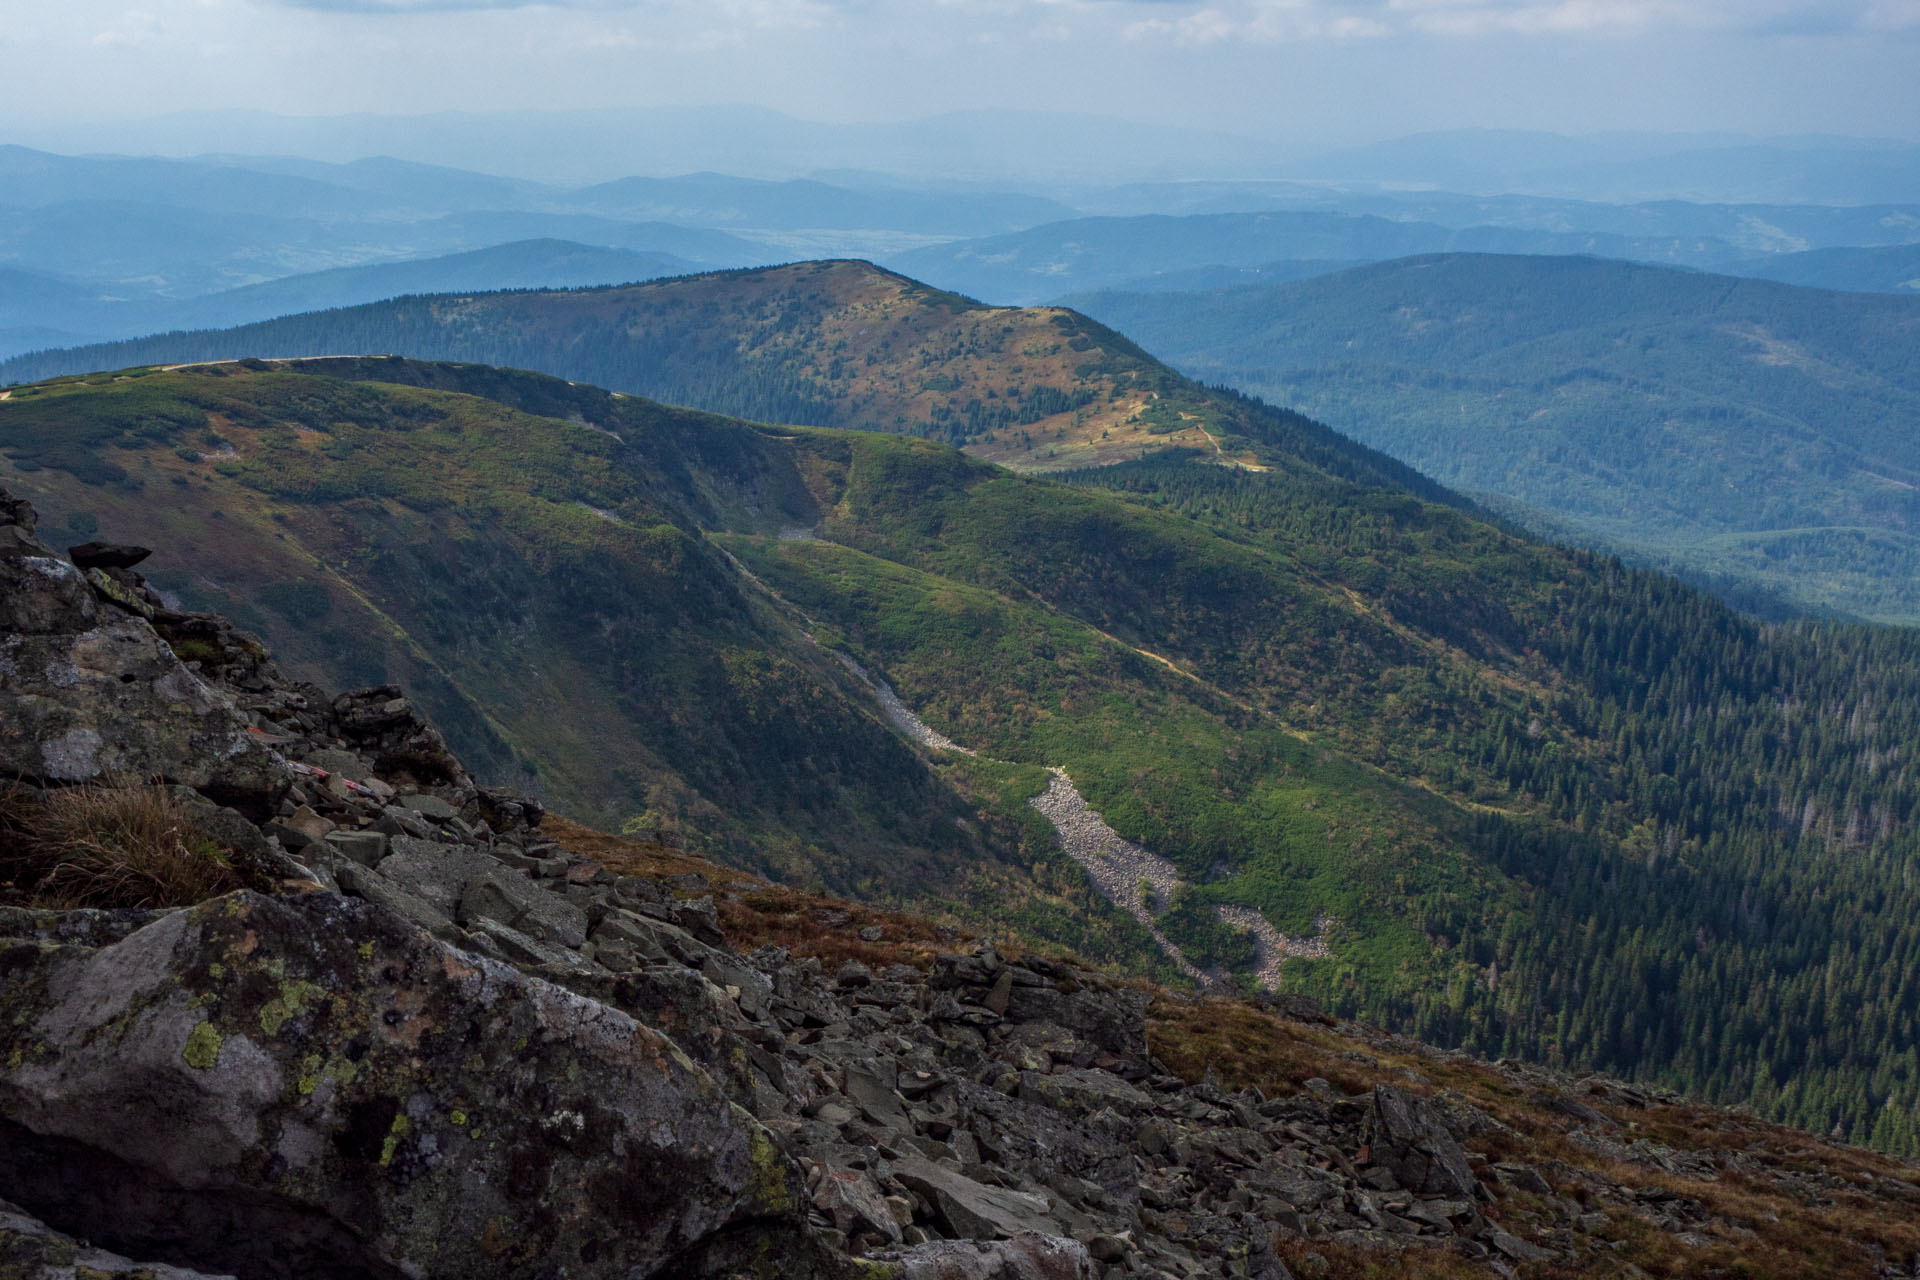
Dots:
pixel 1338 70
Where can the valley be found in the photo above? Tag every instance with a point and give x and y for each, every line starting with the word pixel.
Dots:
pixel 1314 693
pixel 1750 436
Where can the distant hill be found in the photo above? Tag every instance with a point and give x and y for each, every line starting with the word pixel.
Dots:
pixel 527 264
pixel 1638 167
pixel 1094 253
pixel 1725 426
pixel 718 200
pixel 1888 269
pixel 842 344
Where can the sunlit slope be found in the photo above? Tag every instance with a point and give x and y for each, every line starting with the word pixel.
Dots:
pixel 841 344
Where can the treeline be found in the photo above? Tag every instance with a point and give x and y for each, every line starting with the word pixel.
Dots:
pixel 1718 819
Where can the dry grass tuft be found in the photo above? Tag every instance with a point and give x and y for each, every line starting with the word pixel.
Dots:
pixel 1245 1047
pixel 109 846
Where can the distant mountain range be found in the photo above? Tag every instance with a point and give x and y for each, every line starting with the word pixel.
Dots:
pixel 1063 257
pixel 841 344
pixel 1735 429
pixel 25 297
pixel 1891 269
pixel 150 232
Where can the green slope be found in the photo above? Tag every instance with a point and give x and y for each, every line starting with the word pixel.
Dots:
pixel 841 344
pixel 1723 427
pixel 1557 808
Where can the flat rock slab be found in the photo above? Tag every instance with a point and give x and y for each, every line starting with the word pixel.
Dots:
pixel 502 894
pixel 972 1210
pixel 436 872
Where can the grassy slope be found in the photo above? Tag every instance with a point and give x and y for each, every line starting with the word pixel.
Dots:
pixel 1727 426
pixel 840 344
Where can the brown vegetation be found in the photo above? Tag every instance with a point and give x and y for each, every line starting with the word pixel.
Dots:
pixel 120 845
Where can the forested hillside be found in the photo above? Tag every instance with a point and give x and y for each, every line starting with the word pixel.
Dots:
pixel 1045 263
pixel 841 344
pixel 1880 269
pixel 1733 429
pixel 1525 799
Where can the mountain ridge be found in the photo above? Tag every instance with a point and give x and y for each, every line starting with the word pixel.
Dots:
pixel 837 343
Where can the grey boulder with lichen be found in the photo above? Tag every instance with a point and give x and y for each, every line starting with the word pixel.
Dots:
pixel 90 693
pixel 313 1086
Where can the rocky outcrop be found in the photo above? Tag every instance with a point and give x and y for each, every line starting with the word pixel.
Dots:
pixel 312 1086
pixel 89 690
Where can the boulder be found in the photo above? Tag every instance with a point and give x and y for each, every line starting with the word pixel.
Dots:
pixel 87 694
pixel 854 1204
pixel 505 895
pixel 1114 1019
pixel 434 871
pixel 1405 1135
pixel 969 1209
pixel 382 724
pixel 313 1087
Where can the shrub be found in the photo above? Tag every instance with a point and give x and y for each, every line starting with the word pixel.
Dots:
pixel 109 846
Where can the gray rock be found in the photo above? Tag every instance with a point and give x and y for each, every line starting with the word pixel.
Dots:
pixel 371 886
pixel 1114 1019
pixel 1027 1257
pixel 871 1087
pixel 649 939
pixel 969 1209
pixel 855 1205
pixel 1083 1091
pixel 364 847
pixel 31 1250
pixel 311 1086
pixel 428 806
pixel 1522 1251
pixel 345 763
pixel 523 949
pixel 509 897
pixel 1407 1137
pixel 86 697
pixel 396 821
pixel 1515 1176
pixel 436 872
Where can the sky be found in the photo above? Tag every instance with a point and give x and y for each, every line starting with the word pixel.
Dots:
pixel 1307 71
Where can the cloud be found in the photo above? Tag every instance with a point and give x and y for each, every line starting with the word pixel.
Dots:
pixel 1276 21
